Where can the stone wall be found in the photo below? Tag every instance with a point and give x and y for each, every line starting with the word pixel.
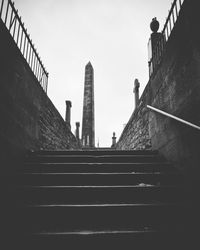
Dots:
pixel 54 132
pixel 174 88
pixel 136 133
pixel 29 120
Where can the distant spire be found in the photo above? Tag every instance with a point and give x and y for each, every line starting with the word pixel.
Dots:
pixel 89 64
pixel 114 140
pixel 88 124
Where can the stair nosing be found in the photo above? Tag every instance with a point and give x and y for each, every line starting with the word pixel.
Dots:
pixel 87 232
pixel 101 173
pixel 98 163
pixel 96 156
pixel 158 204
pixel 103 186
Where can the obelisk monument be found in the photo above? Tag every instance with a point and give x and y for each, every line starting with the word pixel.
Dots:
pixel 88 130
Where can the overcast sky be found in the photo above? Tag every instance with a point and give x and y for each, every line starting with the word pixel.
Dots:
pixel 112 34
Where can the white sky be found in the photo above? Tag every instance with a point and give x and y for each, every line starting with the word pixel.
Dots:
pixel 112 34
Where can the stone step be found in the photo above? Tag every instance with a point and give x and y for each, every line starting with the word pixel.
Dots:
pixel 100 199
pixel 98 194
pixel 119 239
pixel 74 179
pixel 98 167
pixel 94 152
pixel 160 216
pixel 95 159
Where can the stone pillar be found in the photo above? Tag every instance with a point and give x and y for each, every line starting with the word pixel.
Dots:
pixel 152 44
pixel 114 140
pixel 77 130
pixel 136 92
pixel 68 113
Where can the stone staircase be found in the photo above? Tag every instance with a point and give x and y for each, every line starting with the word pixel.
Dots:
pixel 100 200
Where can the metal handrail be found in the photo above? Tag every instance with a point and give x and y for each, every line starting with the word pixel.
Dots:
pixel 9 16
pixel 173 117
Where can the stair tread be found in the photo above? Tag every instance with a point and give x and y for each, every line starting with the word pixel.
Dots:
pixel 91 167
pixel 105 151
pixel 97 156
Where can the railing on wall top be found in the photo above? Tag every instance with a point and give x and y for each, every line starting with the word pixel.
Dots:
pixel 165 34
pixel 13 22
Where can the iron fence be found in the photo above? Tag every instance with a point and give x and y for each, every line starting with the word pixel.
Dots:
pixel 13 22
pixel 165 34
